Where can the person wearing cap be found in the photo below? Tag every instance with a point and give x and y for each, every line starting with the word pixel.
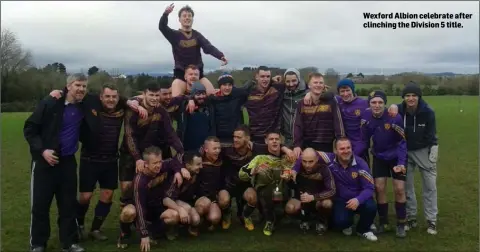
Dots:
pixel 389 151
pixel 227 104
pixel 351 108
pixel 422 149
pixel 193 128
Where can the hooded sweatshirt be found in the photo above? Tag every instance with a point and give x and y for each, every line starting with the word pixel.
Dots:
pixel 420 127
pixel 289 106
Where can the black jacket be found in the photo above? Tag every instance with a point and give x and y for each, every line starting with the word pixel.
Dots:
pixel 42 127
pixel 228 112
pixel 420 127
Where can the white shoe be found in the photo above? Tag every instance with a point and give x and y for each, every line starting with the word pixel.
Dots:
pixel 347 231
pixel 432 228
pixel 369 236
pixel 373 228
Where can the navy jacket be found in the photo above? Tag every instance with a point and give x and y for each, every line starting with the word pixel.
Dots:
pixel 420 127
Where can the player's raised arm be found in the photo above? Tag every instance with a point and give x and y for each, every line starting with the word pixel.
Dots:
pixel 167 32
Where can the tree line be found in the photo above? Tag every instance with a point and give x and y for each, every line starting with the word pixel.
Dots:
pixel 24 84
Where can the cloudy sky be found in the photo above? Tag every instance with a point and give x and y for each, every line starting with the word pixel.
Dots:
pixel 125 35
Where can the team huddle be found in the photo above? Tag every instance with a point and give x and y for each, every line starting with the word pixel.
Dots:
pixel 305 151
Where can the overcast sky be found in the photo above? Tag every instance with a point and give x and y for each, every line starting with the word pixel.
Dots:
pixel 125 35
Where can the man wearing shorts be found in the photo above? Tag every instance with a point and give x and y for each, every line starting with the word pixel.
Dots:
pixel 389 152
pixel 186 44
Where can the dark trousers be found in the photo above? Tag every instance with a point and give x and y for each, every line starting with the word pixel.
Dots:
pixel 343 217
pixel 46 182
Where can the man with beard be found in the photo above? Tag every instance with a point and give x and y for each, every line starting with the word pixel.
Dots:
pixel 181 198
pixel 260 173
pixel 193 128
pixel 422 149
pixel 263 104
pixel 142 133
pixel 317 125
pixel 186 44
pixel 314 190
pixel 354 189
pixel 212 200
pixel 52 132
pixel 351 108
pixel 147 203
pixel 295 91
pixel 389 152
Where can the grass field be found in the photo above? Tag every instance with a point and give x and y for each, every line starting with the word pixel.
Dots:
pixel 457 198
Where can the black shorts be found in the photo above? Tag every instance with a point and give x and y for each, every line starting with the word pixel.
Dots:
pixel 324 147
pixel 154 212
pixel 180 74
pixel 238 190
pixel 384 169
pixel 91 172
pixel 126 167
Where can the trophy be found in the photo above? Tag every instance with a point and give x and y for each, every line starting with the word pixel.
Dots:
pixel 277 195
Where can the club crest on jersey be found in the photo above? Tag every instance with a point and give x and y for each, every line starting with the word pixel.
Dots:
pixel 387 126
pixel 94 112
pixel 357 112
pixel 354 175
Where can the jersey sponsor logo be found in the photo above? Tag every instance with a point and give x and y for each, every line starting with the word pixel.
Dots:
pixel 188 43
pixel 357 112
pixel 387 126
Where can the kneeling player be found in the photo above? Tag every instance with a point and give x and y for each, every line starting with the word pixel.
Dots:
pixel 211 199
pixel 260 172
pixel 147 203
pixel 314 189
pixel 181 198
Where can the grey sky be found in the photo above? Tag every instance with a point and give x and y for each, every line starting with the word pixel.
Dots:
pixel 125 35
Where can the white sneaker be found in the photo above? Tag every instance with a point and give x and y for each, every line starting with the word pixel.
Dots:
pixel 373 228
pixel 347 231
pixel 432 228
pixel 369 236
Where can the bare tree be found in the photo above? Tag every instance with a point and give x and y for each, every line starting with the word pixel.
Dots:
pixel 13 58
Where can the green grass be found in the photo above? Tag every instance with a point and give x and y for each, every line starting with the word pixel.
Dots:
pixel 457 200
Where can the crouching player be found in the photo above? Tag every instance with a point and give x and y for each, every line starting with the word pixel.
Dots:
pixel 314 190
pixel 260 172
pixel 212 200
pixel 389 151
pixel 354 189
pixel 181 198
pixel 147 204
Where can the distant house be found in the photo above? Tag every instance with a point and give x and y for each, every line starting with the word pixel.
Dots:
pixel 120 76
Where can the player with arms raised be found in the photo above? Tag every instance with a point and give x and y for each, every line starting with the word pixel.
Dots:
pixel 186 44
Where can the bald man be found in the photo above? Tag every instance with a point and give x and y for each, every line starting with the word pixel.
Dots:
pixel 314 188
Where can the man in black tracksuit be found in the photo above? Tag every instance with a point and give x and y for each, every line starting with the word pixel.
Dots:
pixel 422 149
pixel 52 132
